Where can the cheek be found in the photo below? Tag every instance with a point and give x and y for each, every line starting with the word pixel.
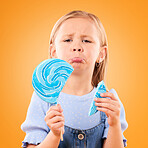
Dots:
pixel 91 53
pixel 61 47
pixel 61 53
pixel 92 56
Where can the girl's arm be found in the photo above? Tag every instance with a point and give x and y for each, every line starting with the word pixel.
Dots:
pixel 111 106
pixel 36 128
pixel 114 137
pixel 51 141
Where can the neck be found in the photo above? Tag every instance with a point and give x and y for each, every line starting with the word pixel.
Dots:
pixel 78 85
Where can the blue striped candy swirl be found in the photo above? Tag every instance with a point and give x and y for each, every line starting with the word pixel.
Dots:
pixel 49 78
pixel 100 89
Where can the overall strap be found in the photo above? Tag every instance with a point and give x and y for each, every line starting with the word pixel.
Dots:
pixel 103 116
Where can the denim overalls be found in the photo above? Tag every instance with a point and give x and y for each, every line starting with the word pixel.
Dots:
pixel 90 138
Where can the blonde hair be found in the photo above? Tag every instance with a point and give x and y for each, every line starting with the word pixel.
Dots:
pixel 99 73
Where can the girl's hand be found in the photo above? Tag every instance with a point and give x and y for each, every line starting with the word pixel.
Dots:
pixel 55 119
pixel 111 107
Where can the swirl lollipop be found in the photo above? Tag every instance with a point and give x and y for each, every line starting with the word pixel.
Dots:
pixel 49 78
pixel 100 89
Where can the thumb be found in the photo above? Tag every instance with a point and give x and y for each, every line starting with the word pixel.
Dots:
pixel 60 108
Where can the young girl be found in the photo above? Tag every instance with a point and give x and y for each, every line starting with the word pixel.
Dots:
pixel 80 39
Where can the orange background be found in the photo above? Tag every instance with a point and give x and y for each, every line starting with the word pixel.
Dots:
pixel 24 35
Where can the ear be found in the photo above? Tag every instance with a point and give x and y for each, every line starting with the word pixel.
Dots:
pixel 52 51
pixel 102 54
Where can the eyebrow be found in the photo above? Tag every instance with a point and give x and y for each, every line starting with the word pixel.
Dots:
pixel 83 35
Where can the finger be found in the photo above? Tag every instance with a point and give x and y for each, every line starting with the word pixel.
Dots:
pixel 110 95
pixel 107 106
pixel 52 114
pixel 56 119
pixel 60 108
pixel 56 108
pixel 105 100
pixel 57 125
pixel 106 111
pixel 52 108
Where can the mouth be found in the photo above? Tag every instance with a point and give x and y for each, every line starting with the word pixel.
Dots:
pixel 76 60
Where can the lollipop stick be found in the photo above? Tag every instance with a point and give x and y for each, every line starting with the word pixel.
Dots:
pixel 61 134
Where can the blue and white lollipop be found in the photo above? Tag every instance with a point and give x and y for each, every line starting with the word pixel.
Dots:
pixel 49 78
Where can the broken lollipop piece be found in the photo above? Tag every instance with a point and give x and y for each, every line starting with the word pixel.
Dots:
pixel 100 89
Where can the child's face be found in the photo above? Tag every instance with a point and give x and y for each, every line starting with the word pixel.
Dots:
pixel 76 45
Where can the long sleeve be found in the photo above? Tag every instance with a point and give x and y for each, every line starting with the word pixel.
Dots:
pixel 34 126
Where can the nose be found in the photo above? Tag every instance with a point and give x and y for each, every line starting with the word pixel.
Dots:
pixel 79 49
pixel 77 46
